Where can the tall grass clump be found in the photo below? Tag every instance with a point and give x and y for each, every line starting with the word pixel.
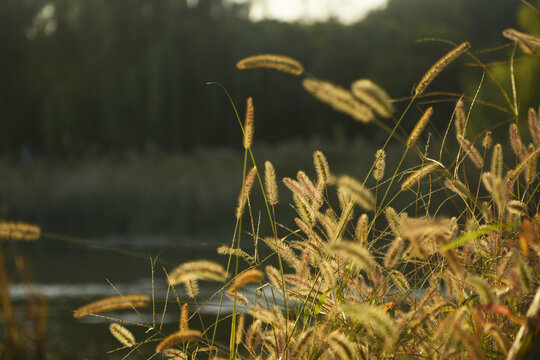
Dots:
pixel 453 274
pixel 24 333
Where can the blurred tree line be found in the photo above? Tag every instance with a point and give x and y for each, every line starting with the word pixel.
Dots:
pixel 130 74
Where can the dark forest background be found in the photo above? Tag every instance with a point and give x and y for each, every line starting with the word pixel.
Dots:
pixel 131 74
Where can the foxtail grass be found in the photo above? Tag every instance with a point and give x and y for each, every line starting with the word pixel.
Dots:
pixel 447 274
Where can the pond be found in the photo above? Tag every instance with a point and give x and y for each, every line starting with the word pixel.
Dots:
pixel 71 275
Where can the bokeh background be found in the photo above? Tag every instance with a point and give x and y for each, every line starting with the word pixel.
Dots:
pixel 111 137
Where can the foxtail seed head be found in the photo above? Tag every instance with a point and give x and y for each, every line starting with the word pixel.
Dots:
pixel 248 124
pixel 184 316
pixel 357 192
pixel 240 328
pixel 321 167
pixel 16 230
pixel 123 335
pixel 340 99
pixel 394 220
pixel 380 164
pixel 439 66
pixel 270 183
pixel 244 193
pixel 178 338
pixel 272 61
pixel 362 229
pixel 527 42
pixel 497 161
pixel 419 128
pixel 534 125
pixel 486 143
pixel 197 270
pixel 248 276
pixel 460 118
pixel 418 175
pixel 374 96
pixel 127 301
pixel 530 171
pixel 471 151
pixel 517 144
pixel 458 187
pixel 394 253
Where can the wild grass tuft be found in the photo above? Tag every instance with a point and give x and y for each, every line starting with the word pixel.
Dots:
pixel 438 260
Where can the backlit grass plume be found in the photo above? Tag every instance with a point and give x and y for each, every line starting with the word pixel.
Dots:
pixel 321 166
pixel 340 99
pixel 380 164
pixel 248 124
pixel 272 61
pixel 357 192
pixel 245 191
pixel 128 301
pixel 197 270
pixel 354 252
pixel 419 128
pixel 374 318
pixel 418 175
pixel 460 118
pixel 123 335
pixel 17 230
pixel 248 276
pixel 527 42
pixel 270 183
pixel 374 96
pixel 179 337
pixel 439 66
pixel 471 152
pixel 534 125
pixel 497 161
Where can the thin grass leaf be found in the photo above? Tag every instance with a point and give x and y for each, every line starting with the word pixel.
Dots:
pixel 472 236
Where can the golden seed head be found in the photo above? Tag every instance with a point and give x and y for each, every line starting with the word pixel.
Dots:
pixel 16 230
pixel 460 118
pixel 123 335
pixel 270 183
pixel 471 151
pixel 419 127
pixel 486 143
pixel 497 161
pixel 418 175
pixel 338 98
pixel 534 125
pixel 321 167
pixel 380 164
pixel 248 276
pixel 178 338
pixel 517 144
pixel 249 128
pixel 246 190
pixel 127 301
pixel 272 61
pixel 373 96
pixel 439 66
pixel 197 270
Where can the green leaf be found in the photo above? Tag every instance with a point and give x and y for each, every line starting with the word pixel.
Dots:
pixel 321 302
pixel 472 236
